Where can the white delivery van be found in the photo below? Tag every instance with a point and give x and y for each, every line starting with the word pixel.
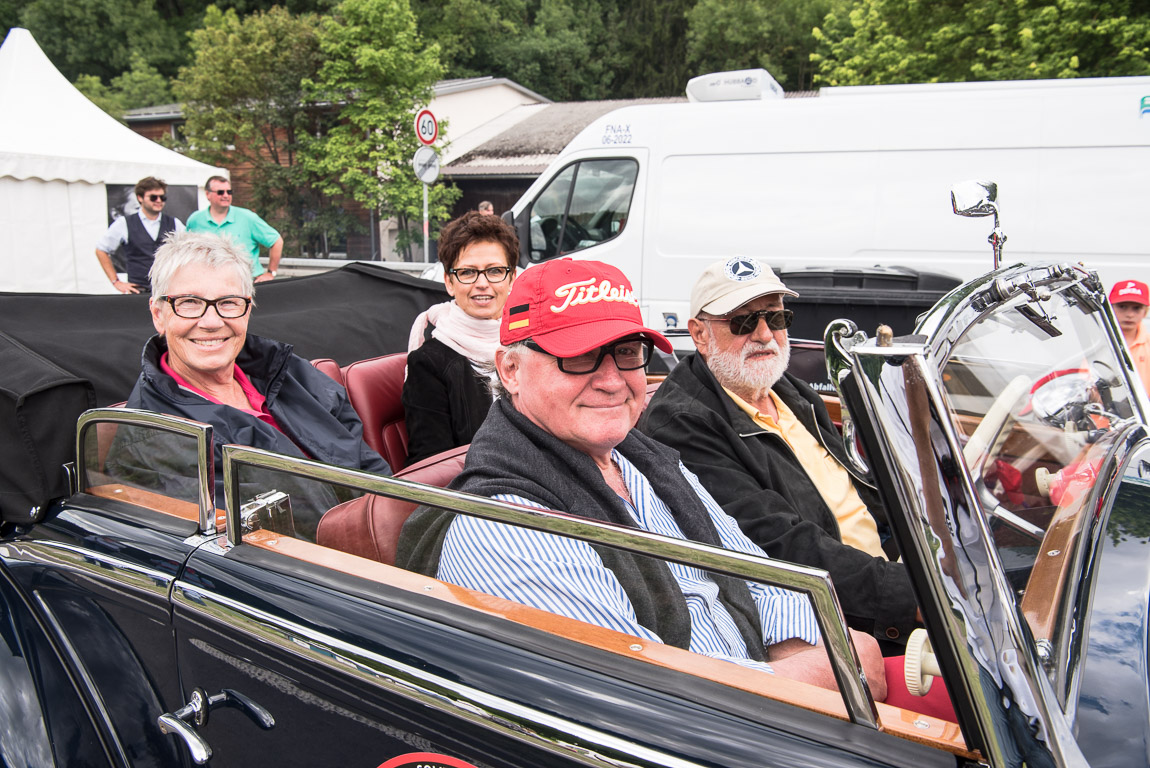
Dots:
pixel 851 178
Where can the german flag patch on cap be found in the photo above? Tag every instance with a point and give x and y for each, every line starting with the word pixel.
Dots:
pixel 515 323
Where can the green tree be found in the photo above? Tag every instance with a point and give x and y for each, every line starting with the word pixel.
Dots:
pixel 245 105
pixel 377 72
pixel 653 48
pixel 471 33
pixel 902 41
pixel 101 37
pixel 568 50
pixel 140 86
pixel 776 35
pixel 564 49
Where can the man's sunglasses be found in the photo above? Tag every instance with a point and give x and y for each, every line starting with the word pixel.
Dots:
pixel 155 198
pixel 221 191
pixel 741 325
pixel 629 355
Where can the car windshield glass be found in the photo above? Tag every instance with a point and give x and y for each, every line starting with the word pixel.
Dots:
pixel 1037 397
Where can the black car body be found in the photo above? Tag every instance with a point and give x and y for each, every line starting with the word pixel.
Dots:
pixel 143 629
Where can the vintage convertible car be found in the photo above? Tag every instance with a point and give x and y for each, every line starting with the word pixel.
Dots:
pixel 140 625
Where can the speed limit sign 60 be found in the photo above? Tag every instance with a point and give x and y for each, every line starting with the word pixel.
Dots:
pixel 426 127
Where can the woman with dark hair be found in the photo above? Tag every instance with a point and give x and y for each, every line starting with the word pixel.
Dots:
pixel 452 346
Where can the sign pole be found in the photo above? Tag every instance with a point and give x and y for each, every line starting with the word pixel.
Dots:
pixel 426 165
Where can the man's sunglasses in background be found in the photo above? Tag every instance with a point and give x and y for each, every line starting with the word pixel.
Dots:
pixel 777 320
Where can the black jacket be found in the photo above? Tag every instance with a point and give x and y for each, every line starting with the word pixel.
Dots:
pixel 759 481
pixel 511 455
pixel 444 400
pixel 313 411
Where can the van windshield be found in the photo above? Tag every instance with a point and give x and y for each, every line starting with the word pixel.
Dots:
pixel 585 204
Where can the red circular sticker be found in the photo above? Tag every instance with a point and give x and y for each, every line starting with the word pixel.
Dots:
pixel 425 760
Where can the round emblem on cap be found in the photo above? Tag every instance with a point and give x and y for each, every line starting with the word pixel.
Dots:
pixel 742 269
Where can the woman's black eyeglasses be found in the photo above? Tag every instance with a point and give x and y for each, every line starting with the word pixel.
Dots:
pixel 741 325
pixel 154 198
pixel 629 354
pixel 193 307
pixel 467 275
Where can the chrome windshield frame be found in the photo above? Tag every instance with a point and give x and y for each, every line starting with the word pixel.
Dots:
pixel 894 397
pixel 200 432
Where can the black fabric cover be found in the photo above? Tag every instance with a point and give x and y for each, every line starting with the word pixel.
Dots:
pixel 35 444
pixel 348 314
pixel 80 343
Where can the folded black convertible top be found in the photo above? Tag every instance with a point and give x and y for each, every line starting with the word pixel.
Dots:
pixel 61 353
pixel 359 311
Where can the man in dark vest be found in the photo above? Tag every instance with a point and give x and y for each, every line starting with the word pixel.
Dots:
pixel 139 234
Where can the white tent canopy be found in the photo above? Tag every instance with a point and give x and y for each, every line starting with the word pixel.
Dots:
pixel 57 151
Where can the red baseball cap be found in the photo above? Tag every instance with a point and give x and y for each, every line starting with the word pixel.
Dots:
pixel 1130 290
pixel 569 307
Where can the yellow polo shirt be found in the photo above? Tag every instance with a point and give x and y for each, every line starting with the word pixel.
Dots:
pixel 856 525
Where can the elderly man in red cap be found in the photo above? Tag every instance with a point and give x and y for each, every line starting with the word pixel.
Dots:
pixel 1130 300
pixel 561 436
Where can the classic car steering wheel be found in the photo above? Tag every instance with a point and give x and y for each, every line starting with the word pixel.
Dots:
pixel 990 428
pixel 984 445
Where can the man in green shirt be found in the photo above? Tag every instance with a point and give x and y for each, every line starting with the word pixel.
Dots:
pixel 244 228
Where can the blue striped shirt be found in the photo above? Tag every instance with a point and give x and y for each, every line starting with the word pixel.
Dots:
pixel 568 577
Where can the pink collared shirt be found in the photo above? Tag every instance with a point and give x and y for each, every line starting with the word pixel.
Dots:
pixel 257 405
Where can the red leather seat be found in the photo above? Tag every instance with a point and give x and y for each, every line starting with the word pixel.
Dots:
pixel 369 526
pixel 330 367
pixel 375 388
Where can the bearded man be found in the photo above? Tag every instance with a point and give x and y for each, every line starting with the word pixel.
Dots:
pixel 762 443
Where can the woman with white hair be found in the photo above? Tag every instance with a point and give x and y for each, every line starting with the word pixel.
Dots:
pixel 202 364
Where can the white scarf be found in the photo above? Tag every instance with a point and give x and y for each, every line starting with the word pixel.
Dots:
pixel 473 337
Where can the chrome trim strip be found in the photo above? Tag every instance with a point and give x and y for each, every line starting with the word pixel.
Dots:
pixel 814 582
pixel 461 701
pixel 70 558
pixel 201 432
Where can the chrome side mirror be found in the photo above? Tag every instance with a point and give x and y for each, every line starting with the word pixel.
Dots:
pixel 974 198
pixel 980 198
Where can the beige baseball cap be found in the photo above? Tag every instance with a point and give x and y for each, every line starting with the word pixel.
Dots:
pixel 730 284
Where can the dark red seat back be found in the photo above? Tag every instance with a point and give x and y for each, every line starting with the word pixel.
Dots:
pixel 375 388
pixel 369 526
pixel 330 367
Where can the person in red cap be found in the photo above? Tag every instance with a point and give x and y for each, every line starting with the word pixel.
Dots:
pixel 1130 300
pixel 561 436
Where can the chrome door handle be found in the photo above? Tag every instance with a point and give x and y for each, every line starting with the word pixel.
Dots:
pixel 195 713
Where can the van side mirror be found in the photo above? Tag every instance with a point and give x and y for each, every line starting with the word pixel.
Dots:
pixel 979 198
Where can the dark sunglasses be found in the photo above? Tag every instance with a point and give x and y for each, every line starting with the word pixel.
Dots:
pixel 221 192
pixel 629 354
pixel 777 320
pixel 154 198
